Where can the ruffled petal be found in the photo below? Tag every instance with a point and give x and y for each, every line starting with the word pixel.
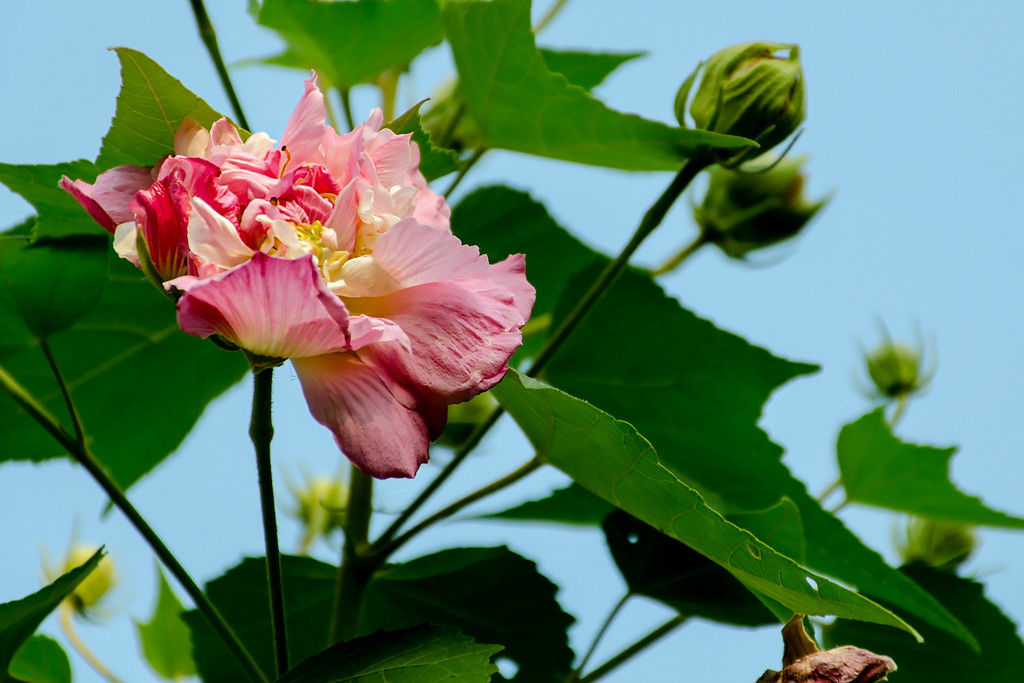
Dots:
pixel 382 437
pixel 416 254
pixel 273 307
pixel 305 128
pixel 108 198
pixel 213 239
pixel 462 335
pixel 511 274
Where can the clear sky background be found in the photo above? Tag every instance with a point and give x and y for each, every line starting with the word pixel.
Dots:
pixel 914 121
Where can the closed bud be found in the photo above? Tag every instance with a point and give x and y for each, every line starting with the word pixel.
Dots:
pixel 895 369
pixel 942 545
pixel 745 209
pixel 93 587
pixel 320 508
pixel 753 90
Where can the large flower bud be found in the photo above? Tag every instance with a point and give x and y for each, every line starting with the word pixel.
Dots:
pixel 942 545
pixel 753 90
pixel 93 587
pixel 895 368
pixel 320 508
pixel 745 210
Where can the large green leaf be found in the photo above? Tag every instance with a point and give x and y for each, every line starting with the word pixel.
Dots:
pixel 150 107
pixel 60 215
pixel 664 569
pixel 520 104
pixel 417 655
pixel 879 469
pixel 139 383
pixel 941 657
pixel 53 283
pixel 165 638
pixel 490 594
pixel 611 459
pixel 351 42
pixel 20 619
pixel 697 393
pixel 41 659
pixel 586 69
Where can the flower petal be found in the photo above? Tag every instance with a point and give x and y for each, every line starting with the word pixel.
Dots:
pixel 461 333
pixel 213 239
pixel 305 128
pixel 273 307
pixel 415 254
pixel 378 434
pixel 107 200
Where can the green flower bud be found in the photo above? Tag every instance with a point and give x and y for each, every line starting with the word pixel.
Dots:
pixel 93 587
pixel 895 368
pixel 745 210
pixel 749 91
pixel 448 120
pixel 942 545
pixel 463 418
pixel 319 507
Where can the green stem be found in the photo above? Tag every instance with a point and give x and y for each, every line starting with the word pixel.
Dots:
pixel 552 12
pixel 76 419
pixel 356 569
pixel 445 141
pixel 645 642
pixel 831 488
pixel 901 409
pixel 382 552
pixel 209 37
pixel 575 675
pixel 470 163
pixel 684 253
pixel 84 457
pixel 346 105
pixel 83 650
pixel 605 280
pixel 651 220
pixel 261 431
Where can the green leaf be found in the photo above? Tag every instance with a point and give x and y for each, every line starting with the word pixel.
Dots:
pixel 351 42
pixel 586 69
pixel 417 655
pixel 125 363
pixel 697 393
pixel 53 283
pixel 20 619
pixel 942 657
pixel 434 161
pixel 611 459
pixel 664 569
pixel 60 215
pixel 571 505
pixel 879 469
pixel 521 105
pixel 150 107
pixel 490 594
pixel 41 659
pixel 165 638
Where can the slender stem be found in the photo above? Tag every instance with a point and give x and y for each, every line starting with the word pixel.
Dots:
pixel 575 675
pixel 261 431
pixel 651 220
pixel 69 632
pixel 645 642
pixel 552 12
pixel 76 419
pixel 445 141
pixel 683 254
pixel 356 569
pixel 901 409
pixel 831 488
pixel 346 105
pixel 389 548
pixel 605 280
pixel 209 37
pixel 470 163
pixel 84 457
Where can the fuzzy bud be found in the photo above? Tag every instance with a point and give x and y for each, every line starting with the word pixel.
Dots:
pixel 93 587
pixel 942 545
pixel 895 369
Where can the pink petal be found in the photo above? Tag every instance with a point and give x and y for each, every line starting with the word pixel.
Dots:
pixel 394 157
pixel 511 274
pixel 432 210
pixel 273 307
pixel 107 200
pixel 191 139
pixel 223 133
pixel 415 254
pixel 378 434
pixel 462 335
pixel 305 128
pixel 213 239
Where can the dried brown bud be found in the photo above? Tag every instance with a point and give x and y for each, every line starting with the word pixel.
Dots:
pixel 804 663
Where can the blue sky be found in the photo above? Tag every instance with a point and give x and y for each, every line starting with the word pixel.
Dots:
pixel 914 123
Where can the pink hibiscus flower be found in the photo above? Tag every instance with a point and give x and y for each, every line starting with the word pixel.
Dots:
pixel 329 250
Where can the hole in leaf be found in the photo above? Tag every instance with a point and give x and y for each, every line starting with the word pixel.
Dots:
pixel 754 551
pixel 632 538
pixel 812 583
pixel 506 667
